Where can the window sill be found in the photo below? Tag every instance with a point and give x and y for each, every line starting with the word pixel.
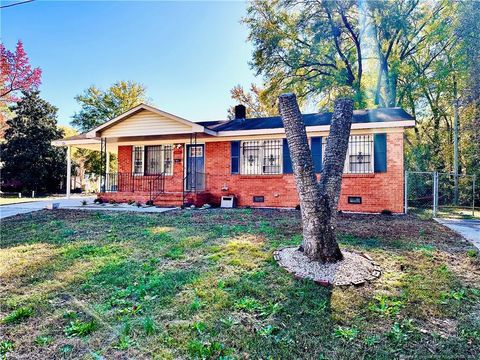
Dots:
pixel 260 176
pixel 369 175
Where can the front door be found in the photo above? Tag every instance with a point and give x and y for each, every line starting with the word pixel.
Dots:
pixel 195 179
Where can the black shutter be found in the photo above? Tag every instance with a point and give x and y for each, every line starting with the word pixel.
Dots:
pixel 287 161
pixel 380 152
pixel 316 148
pixel 235 155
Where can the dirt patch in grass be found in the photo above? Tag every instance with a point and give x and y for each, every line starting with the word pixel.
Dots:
pixel 203 284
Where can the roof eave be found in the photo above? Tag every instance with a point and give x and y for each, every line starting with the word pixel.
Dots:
pixel 355 126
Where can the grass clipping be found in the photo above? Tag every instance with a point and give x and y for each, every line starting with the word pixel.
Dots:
pixel 354 269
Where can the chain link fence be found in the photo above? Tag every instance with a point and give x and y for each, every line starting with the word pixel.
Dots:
pixel 434 194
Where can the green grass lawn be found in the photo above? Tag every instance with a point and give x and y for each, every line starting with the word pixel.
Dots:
pixel 203 284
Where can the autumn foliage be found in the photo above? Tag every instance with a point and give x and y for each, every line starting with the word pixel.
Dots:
pixel 16 73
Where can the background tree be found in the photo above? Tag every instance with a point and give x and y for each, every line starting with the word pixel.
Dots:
pixel 28 156
pixel 256 100
pixel 318 200
pixel 16 74
pixel 320 49
pixel 420 55
pixel 99 106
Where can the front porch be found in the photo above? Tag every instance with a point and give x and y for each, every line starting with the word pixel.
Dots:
pixel 160 158
pixel 159 190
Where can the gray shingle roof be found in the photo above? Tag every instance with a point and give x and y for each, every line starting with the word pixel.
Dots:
pixel 316 119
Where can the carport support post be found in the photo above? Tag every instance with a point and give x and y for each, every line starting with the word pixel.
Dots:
pixel 69 170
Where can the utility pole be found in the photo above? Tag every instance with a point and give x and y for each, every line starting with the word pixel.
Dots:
pixel 455 141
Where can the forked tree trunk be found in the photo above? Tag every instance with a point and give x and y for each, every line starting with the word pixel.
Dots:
pixel 318 200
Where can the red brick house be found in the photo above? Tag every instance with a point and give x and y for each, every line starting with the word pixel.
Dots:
pixel 173 161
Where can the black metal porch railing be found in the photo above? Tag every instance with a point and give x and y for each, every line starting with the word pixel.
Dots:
pixel 130 182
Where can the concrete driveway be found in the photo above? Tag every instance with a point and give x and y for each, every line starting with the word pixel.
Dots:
pixel 27 207
pixel 469 229
pixel 74 203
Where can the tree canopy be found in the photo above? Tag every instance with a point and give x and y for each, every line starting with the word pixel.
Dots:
pixel 30 161
pixel 16 73
pixel 99 106
pixel 417 54
pixel 256 101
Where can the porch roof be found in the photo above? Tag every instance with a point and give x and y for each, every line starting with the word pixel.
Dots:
pixel 80 140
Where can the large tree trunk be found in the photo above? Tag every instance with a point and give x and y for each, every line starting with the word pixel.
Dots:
pixel 318 200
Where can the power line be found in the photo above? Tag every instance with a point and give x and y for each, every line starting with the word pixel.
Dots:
pixel 14 4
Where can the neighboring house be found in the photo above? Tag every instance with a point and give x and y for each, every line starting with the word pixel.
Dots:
pixel 173 161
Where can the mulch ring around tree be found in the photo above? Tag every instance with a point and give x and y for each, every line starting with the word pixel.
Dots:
pixel 354 269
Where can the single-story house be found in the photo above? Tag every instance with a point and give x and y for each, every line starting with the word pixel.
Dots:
pixel 173 161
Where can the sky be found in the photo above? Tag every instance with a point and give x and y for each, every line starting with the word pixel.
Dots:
pixel 188 54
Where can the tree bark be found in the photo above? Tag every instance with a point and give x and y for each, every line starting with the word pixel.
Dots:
pixel 318 200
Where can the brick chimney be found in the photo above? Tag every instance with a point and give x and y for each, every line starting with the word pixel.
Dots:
pixel 240 112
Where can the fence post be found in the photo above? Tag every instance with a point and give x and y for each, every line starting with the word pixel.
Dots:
pixel 473 196
pixel 405 195
pixel 435 193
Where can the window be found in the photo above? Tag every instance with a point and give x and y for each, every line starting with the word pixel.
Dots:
pixel 152 160
pixel 360 154
pixel 354 199
pixel 138 160
pixel 195 151
pixel 359 158
pixel 261 157
pixel 167 159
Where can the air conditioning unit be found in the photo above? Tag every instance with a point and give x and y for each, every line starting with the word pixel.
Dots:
pixel 228 201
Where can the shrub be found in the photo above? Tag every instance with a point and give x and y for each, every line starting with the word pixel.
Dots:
pixel 98 201
pixel 386 212
pixel 149 203
pixel 111 201
pixel 138 204
pixel 84 202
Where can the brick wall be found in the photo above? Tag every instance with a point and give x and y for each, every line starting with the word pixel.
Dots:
pixel 379 191
pixel 125 159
